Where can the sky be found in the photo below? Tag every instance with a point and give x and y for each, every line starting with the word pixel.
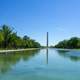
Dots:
pixel 61 18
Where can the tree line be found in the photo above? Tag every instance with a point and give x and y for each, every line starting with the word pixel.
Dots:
pixel 72 43
pixel 10 39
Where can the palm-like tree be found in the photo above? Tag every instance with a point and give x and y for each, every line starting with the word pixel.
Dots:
pixel 6 33
pixel 9 39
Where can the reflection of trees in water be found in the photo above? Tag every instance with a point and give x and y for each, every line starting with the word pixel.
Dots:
pixel 69 54
pixel 75 58
pixel 62 52
pixel 9 59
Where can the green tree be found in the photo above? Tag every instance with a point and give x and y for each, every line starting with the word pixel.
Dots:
pixel 74 42
pixel 6 33
pixel 10 39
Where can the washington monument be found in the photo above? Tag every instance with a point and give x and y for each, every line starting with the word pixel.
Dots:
pixel 47 40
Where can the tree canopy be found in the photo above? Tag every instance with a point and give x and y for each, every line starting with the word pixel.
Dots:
pixel 73 42
pixel 10 39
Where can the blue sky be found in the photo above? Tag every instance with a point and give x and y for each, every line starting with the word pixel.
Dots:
pixel 61 18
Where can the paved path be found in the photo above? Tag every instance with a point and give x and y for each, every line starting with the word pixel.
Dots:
pixel 2 51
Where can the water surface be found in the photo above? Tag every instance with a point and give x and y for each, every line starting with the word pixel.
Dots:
pixel 44 64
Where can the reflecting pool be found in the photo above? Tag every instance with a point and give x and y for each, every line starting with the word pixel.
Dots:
pixel 41 64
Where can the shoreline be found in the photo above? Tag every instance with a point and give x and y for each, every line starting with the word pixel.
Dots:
pixel 14 50
pixel 27 49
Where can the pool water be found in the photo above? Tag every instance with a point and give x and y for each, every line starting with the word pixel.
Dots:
pixel 41 64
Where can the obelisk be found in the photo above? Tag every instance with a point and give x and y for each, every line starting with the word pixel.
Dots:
pixel 47 39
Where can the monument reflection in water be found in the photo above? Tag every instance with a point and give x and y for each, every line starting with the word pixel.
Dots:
pixel 47 55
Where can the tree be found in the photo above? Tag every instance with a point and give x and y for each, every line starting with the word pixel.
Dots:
pixel 26 38
pixel 10 39
pixel 1 39
pixel 74 42
pixel 6 33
